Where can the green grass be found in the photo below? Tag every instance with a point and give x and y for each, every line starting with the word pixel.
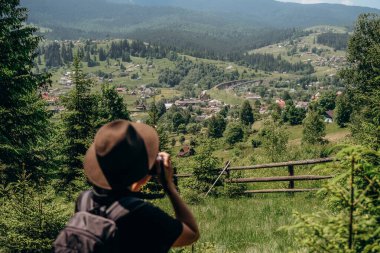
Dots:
pixel 227 96
pixel 249 224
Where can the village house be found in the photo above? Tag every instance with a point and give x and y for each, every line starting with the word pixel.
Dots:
pixel 202 117
pixel 302 104
pixel 51 100
pixel 281 103
pixel 187 102
pixel 186 151
pixel 253 97
pixel 65 80
pixel 168 105
pixel 329 116
pixel 263 110
pixel 215 103
pixel 121 90
pixel 211 110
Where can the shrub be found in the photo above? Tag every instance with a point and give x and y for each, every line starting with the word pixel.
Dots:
pixel 205 168
pixel 234 133
pixel 233 190
pixel 32 217
pixel 256 143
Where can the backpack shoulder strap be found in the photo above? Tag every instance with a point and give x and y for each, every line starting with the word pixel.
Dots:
pixel 85 202
pixel 118 210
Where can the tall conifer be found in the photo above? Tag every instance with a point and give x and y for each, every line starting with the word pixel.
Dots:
pixel 246 114
pixel 111 106
pixel 23 118
pixel 79 123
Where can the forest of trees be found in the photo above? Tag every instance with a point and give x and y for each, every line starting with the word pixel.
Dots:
pixel 58 54
pixel 195 77
pixel 268 62
pixel 338 41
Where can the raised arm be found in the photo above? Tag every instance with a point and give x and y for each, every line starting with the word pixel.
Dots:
pixel 190 231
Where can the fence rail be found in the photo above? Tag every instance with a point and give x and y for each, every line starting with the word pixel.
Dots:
pixel 291 177
pixel 283 164
pixel 281 190
pixel 277 179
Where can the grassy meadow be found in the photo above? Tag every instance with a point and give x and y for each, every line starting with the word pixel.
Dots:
pixel 247 224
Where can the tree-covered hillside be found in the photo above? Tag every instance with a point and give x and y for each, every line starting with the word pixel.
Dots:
pixel 269 12
pixel 191 26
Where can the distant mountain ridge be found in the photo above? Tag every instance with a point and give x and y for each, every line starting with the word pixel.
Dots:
pixel 193 25
pixel 270 12
pixel 100 14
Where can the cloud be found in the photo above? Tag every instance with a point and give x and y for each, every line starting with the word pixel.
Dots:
pixel 347 2
pixel 368 3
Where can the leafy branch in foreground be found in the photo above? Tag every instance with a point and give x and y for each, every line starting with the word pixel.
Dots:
pixel 351 223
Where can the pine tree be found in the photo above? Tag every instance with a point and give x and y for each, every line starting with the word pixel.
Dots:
pixel 204 169
pixel 64 53
pixel 126 57
pixel 102 54
pixel 53 55
pixel 161 108
pixel 246 114
pixel 24 121
pixel 343 110
pixel 216 126
pixel 274 140
pixel 79 122
pixel 111 106
pixel 153 114
pixel 313 128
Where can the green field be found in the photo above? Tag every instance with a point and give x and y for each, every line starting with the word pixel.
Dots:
pixel 248 224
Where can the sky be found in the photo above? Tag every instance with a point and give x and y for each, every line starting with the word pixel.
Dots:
pixel 367 3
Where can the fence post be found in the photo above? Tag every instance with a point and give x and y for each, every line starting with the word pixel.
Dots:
pixel 291 173
pixel 228 173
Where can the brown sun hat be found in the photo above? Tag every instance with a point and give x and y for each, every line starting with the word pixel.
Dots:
pixel 122 153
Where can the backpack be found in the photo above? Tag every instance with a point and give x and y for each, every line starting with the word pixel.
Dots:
pixel 93 230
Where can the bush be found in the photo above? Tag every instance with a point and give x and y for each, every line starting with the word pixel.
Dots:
pixel 233 190
pixel 192 197
pixel 205 169
pixel 32 217
pixel 234 133
pixel 256 143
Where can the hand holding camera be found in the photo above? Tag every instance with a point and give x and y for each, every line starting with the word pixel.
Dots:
pixel 163 169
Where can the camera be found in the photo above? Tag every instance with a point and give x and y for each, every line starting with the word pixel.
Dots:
pixel 158 169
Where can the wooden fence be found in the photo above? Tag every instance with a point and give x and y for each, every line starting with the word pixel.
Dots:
pixel 291 177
